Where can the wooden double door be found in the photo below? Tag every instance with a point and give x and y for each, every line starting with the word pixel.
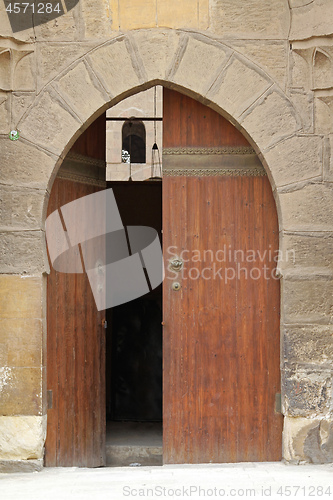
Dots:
pixel 221 342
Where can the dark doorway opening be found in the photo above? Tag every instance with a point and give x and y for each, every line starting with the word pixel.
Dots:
pixel 134 348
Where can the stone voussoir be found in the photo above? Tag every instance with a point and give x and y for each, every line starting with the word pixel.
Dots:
pixel 297 158
pixel 229 90
pixel 198 63
pixel 106 62
pixel 270 119
pixel 81 89
pixel 48 123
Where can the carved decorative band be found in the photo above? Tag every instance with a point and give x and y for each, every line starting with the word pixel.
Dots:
pixel 206 172
pixel 81 178
pixel 85 160
pixel 230 150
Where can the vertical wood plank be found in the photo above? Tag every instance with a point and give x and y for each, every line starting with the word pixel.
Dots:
pixel 75 360
pixel 221 341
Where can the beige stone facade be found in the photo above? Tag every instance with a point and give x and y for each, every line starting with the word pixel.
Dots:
pixel 268 68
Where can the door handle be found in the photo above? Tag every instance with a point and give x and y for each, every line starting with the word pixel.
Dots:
pixel 176 264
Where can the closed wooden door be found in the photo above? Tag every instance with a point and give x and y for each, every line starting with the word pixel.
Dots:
pixel 221 346
pixel 75 359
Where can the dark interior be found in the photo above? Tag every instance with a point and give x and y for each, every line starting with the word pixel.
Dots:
pixel 134 333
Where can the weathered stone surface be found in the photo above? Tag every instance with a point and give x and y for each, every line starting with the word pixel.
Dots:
pixel 157 49
pixel 304 104
pixel 129 15
pixel 49 124
pixel 312 19
pixel 307 392
pixel 23 341
pixel 329 165
pixel 22 437
pixel 17 66
pixel 308 440
pixel 54 57
pixel 308 344
pixel 4 113
pixel 199 65
pixel 21 296
pixel 271 56
pixel 239 86
pixel 23 252
pixel 270 119
pixel 18 466
pixel 21 391
pixel 22 164
pixel 6 30
pixel 323 114
pixel 308 209
pixel 185 14
pixel 296 159
pixel 22 208
pixel 5 68
pixel 21 101
pixel 81 89
pixel 322 68
pixel 300 71
pixel 258 19
pixel 24 70
pixel 113 65
pixel 96 18
pixel 308 300
pixel 307 252
pixel 63 28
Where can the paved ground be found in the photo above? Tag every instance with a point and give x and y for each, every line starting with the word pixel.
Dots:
pixel 269 480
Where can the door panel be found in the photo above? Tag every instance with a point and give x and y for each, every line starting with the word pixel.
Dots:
pixel 75 359
pixel 221 340
pixel 221 336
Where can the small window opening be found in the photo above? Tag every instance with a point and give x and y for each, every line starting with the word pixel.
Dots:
pixel 133 142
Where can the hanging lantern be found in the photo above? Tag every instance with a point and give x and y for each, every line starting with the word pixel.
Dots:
pixel 156 164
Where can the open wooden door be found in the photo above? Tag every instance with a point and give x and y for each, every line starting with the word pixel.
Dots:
pixel 75 331
pixel 221 343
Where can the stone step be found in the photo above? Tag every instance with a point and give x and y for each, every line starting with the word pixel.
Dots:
pixel 134 443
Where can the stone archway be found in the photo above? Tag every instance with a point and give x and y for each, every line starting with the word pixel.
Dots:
pixel 231 84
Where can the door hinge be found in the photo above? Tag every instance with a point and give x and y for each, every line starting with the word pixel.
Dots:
pixel 278 405
pixel 49 399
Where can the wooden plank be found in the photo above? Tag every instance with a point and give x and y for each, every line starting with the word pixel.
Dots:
pixel 92 142
pixel 187 123
pixel 221 339
pixel 75 360
pixel 221 342
pixel 52 318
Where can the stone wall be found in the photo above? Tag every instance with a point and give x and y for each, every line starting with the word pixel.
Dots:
pixel 266 66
